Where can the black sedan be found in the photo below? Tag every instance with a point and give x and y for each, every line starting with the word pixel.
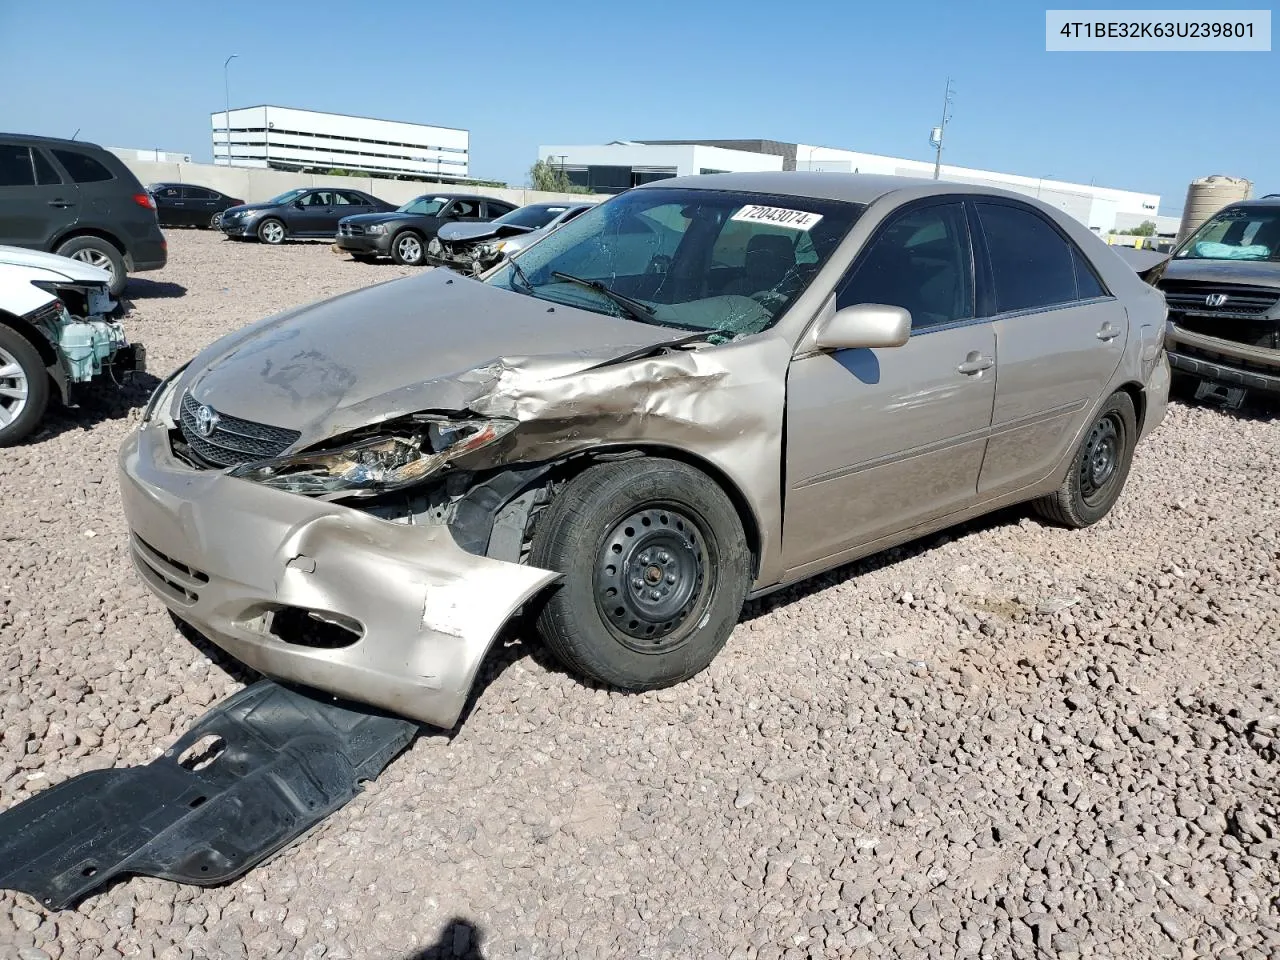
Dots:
pixel 403 234
pixel 186 205
pixel 300 213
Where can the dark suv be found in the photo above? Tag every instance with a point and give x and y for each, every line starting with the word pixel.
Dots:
pixel 76 199
pixel 1222 285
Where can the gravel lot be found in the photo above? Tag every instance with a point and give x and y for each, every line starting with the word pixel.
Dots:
pixel 1006 741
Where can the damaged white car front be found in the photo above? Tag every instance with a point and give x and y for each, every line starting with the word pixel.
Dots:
pixel 56 332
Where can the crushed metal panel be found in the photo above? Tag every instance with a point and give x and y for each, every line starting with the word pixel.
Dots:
pixel 288 759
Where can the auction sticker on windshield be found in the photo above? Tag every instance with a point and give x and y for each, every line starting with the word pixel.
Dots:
pixel 778 216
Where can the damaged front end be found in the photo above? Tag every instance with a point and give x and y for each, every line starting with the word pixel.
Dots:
pixel 87 344
pixel 467 257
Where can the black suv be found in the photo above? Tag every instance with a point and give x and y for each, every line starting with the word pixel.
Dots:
pixel 1222 285
pixel 76 199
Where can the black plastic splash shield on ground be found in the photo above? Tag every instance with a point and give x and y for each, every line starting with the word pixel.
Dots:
pixel 288 759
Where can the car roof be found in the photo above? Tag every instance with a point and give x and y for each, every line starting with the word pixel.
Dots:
pixel 32 140
pixel 847 187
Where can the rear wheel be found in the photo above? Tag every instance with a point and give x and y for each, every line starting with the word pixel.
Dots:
pixel 271 231
pixel 1099 468
pixel 655 569
pixel 408 248
pixel 24 387
pixel 98 253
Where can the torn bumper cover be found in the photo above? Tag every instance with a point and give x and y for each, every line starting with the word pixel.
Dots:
pixel 277 762
pixel 389 614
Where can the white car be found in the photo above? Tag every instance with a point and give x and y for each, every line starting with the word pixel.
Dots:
pixel 55 333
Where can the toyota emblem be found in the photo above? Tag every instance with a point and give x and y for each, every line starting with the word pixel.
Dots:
pixel 1215 299
pixel 206 420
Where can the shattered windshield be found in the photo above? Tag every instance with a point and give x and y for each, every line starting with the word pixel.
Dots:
pixel 427 206
pixel 1239 233
pixel 690 259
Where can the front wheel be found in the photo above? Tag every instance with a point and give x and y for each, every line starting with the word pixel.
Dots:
pixel 655 569
pixel 408 248
pixel 1099 468
pixel 24 387
pixel 271 231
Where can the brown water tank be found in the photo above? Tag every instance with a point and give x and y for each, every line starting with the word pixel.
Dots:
pixel 1207 196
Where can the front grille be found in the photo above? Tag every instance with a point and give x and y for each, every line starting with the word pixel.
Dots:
pixel 233 441
pixel 1241 302
pixel 168 576
pixel 350 230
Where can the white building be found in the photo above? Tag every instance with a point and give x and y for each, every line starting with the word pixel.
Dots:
pixel 626 163
pixel 286 139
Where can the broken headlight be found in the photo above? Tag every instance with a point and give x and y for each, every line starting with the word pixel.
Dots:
pixel 387 461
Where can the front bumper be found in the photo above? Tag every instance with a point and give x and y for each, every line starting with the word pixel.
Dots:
pixel 239 228
pixel 229 555
pixel 465 259
pixel 378 244
pixel 1223 361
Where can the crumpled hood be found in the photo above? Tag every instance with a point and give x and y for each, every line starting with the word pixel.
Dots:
pixel 1260 273
pixel 431 342
pixel 467 232
pixel 75 271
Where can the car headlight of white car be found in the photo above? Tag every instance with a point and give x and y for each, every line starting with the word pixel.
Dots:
pixel 396 456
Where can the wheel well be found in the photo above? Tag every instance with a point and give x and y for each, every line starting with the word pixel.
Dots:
pixel 569 468
pixel 36 338
pixel 90 232
pixel 1139 397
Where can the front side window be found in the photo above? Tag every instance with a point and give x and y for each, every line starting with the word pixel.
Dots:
pixel 1032 265
pixel 920 261
pixel 82 167
pixel 169 193
pixel 465 208
pixel 15 166
pixel 661 256
pixel 321 198
pixel 1237 233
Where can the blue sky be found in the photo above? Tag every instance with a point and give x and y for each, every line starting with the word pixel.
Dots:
pixel 857 75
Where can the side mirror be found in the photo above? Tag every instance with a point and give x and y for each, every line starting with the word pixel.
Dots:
pixel 297 205
pixel 865 325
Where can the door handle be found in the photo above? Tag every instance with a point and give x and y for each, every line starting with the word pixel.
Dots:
pixel 1108 332
pixel 974 364
pixel 60 203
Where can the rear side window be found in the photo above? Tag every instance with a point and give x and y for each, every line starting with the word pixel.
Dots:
pixel 1031 263
pixel 45 174
pixel 199 193
pixel 82 167
pixel 15 166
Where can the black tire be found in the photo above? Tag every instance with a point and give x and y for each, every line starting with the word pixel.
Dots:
pixel 409 248
pixel 98 253
pixel 32 376
pixel 272 231
pixel 1099 468
pixel 671 529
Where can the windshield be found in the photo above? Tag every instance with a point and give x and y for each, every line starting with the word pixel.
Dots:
pixel 427 206
pixel 1237 233
pixel 288 196
pixel 533 216
pixel 690 259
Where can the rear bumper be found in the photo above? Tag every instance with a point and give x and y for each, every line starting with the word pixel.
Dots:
pixel 148 254
pixel 229 556
pixel 1224 361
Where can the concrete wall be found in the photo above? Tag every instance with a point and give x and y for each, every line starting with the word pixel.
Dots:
pixel 253 185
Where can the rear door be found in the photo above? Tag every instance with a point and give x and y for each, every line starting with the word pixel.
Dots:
pixel 202 204
pixel 37 205
pixel 1060 335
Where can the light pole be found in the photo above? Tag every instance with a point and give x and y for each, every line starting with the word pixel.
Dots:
pixel 226 90
pixel 941 129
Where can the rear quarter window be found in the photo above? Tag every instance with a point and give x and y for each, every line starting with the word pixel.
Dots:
pixel 82 167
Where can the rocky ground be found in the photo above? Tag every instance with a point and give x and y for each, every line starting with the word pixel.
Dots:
pixel 1010 740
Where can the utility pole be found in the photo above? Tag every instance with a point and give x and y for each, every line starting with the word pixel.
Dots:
pixel 940 130
pixel 226 90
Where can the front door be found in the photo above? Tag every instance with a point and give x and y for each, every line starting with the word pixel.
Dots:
pixel 1060 336
pixel 318 216
pixel 36 204
pixel 881 440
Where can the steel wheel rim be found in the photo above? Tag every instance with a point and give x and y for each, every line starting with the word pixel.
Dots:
pixel 215 220
pixel 409 247
pixel 650 577
pixel 13 388
pixel 1100 462
pixel 95 258
pixel 272 232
